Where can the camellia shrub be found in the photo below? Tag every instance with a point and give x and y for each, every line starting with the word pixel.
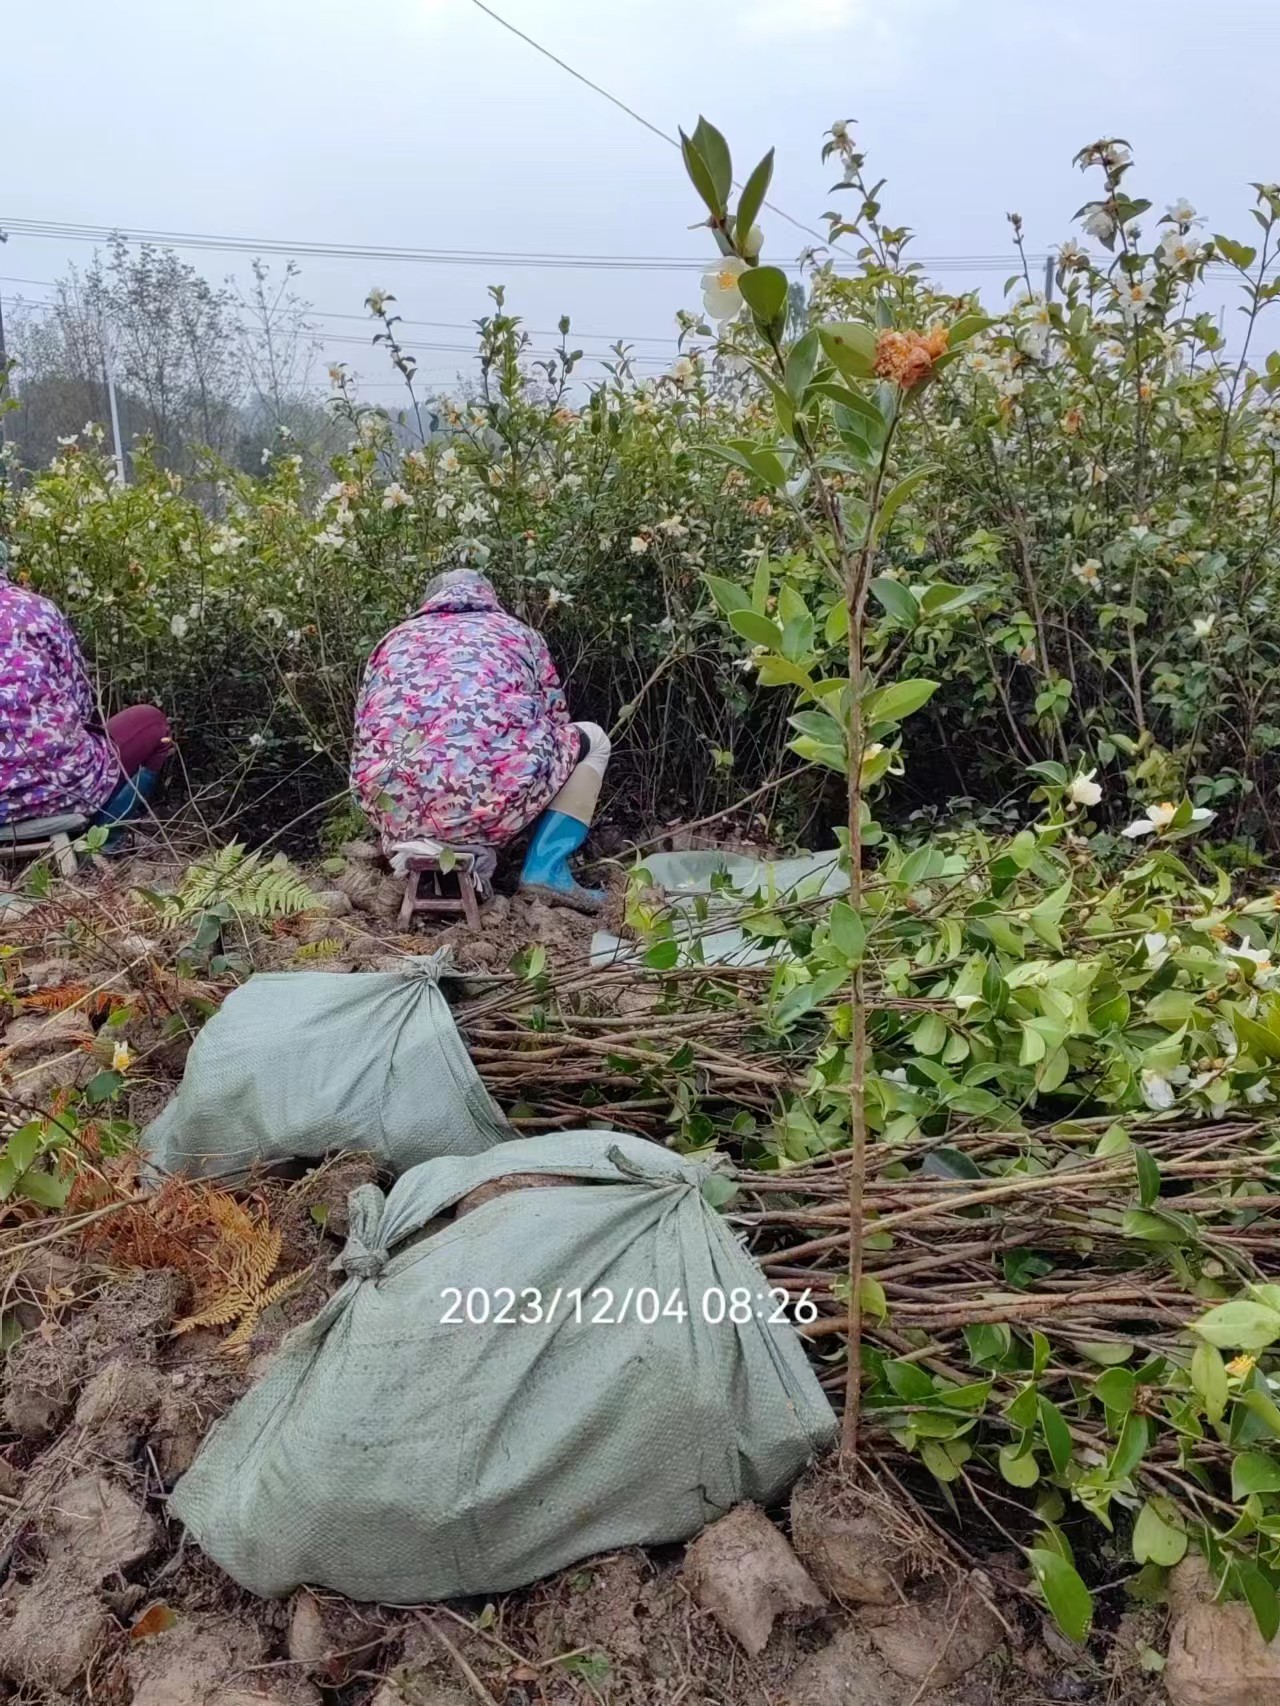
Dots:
pixel 1087 572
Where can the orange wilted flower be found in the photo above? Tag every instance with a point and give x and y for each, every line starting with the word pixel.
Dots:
pixel 908 357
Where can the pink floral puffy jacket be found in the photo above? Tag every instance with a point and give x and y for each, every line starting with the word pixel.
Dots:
pixel 462 730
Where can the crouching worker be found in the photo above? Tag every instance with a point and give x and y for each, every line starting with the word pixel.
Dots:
pixel 463 737
pixel 57 757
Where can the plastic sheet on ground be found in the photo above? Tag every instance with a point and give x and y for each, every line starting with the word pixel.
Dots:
pixel 295 1064
pixel 392 1454
pixel 687 877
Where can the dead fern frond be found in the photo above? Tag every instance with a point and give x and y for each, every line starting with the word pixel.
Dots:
pixel 228 1252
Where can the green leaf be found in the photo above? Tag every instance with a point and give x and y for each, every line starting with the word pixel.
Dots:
pixel 938 1462
pixel 1130 1449
pixel 102 1086
pixel 1057 1435
pixel 1148 1175
pixel 758 629
pixel 727 594
pixel 1239 254
pixel 761 581
pixel 1262 1600
pixel 1209 1377
pixel 23 1146
pixel 1018 1471
pixel 802 359
pixel 910 1382
pixel 751 200
pixel 1239 1325
pixel 900 699
pixel 662 956
pixel 1159 1535
pixel 898 496
pixel 898 601
pixel 1115 1390
pixel 1068 1599
pixel 966 327
pixel 718 1191
pixel 1254 1472
pixel 851 347
pixel 701 177
pixel 713 148
pixel 764 290
pixel 848 932
pixel 808 995
pixel 44 1189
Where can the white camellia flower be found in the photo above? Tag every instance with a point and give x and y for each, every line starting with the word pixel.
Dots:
pixel 1178 249
pixel 395 497
pixel 178 626
pixel 555 596
pixel 449 463
pixel 1135 299
pixel 1156 819
pixel 1157 945
pixel 639 545
pixel 1100 224
pixel 1202 626
pixel 1082 790
pixel 720 294
pixel 1088 573
pixel 1265 971
pixel 1159 1088
pixel 1182 211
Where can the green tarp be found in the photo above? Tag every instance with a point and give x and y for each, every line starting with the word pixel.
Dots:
pixel 300 1063
pixel 390 1455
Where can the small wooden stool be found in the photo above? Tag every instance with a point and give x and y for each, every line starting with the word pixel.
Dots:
pixel 426 889
pixel 33 838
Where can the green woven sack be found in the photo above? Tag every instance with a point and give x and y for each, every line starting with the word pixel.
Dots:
pixel 300 1063
pixel 392 1454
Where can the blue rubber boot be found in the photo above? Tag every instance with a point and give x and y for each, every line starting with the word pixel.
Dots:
pixel 126 803
pixel 546 874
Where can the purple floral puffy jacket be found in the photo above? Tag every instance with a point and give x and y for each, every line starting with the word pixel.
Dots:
pixel 52 757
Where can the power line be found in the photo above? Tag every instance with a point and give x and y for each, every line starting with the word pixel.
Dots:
pixel 630 111
pixel 309 249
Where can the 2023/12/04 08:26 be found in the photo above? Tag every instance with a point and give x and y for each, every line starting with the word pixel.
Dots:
pixel 600 1306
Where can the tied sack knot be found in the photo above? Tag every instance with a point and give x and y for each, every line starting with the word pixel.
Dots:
pixel 363 1255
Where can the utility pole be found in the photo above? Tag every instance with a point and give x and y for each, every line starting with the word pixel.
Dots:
pixel 1048 278
pixel 111 402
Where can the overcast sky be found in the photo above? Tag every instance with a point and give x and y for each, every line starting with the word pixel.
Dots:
pixel 422 123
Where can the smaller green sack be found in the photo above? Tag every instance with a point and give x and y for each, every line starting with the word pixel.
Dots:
pixel 564 1371
pixel 295 1064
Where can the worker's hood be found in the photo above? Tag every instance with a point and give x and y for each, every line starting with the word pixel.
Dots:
pixel 462 590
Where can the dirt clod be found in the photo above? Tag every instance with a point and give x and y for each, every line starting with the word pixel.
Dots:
pixel 1217 1656
pixel 50 1630
pixel 117 1407
pixel 94 1529
pixel 743 1572
pixel 938 1635
pixel 503 1187
pixel 210 1664
pixel 846 1547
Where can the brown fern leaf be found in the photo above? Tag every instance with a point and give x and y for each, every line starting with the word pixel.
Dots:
pixel 237 1343
pixel 56 999
pixel 259 1260
pixel 230 1306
